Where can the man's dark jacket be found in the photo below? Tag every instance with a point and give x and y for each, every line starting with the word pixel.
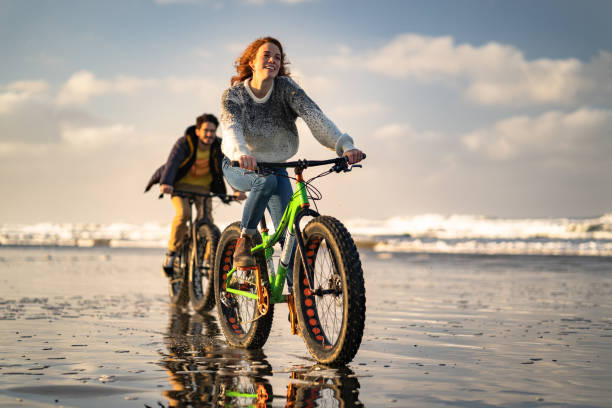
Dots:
pixel 181 158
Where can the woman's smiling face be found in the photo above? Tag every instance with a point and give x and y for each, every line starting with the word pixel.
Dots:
pixel 267 62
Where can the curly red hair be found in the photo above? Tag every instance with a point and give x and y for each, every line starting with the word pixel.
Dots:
pixel 243 68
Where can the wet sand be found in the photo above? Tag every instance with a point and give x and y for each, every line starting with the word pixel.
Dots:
pixel 92 328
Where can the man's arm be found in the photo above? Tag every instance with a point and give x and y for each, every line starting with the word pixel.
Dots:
pixel 179 152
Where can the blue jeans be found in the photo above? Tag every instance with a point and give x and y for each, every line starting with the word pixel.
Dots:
pixel 272 191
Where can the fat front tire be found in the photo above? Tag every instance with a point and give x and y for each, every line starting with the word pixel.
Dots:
pixel 239 318
pixel 177 283
pixel 331 315
pixel 201 292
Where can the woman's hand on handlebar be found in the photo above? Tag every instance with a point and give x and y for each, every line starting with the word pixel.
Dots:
pixel 248 162
pixel 354 156
pixel 166 189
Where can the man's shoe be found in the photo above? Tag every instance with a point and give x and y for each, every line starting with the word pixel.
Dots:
pixel 168 263
pixel 242 255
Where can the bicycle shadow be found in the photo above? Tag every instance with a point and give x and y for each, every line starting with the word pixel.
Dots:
pixel 203 371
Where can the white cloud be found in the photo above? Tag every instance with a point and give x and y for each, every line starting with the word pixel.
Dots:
pixel 191 85
pixel 314 84
pixel 95 137
pixel 394 131
pixel 128 85
pixel 17 149
pixel 403 134
pixel 552 134
pixel 597 75
pixel 360 110
pixel 82 85
pixel 493 73
pixel 30 87
pixel 20 92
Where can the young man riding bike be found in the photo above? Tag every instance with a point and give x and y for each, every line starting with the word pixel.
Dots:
pixel 194 165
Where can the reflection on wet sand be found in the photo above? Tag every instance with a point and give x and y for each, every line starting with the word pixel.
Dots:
pixel 203 371
pixel 90 328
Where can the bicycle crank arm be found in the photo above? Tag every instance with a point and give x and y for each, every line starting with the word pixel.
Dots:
pixel 263 297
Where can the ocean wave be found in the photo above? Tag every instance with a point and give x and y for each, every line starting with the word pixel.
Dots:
pixel 498 247
pixel 432 233
pixel 116 235
pixel 483 227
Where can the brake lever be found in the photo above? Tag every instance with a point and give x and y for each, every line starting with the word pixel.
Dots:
pixel 339 167
pixel 350 168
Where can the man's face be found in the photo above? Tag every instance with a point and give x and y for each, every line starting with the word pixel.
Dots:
pixel 207 133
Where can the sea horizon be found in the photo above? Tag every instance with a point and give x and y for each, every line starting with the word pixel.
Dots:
pixel 426 233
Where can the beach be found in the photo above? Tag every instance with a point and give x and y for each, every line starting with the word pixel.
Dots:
pixel 91 327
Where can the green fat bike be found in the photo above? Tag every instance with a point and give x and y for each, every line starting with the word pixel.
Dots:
pixel 327 305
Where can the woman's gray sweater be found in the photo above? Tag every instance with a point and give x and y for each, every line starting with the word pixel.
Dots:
pixel 265 127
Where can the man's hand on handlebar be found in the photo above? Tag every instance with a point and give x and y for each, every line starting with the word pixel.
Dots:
pixel 166 189
pixel 239 196
pixel 354 156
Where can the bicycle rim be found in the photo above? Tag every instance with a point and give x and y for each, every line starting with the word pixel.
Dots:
pixel 331 308
pixel 326 311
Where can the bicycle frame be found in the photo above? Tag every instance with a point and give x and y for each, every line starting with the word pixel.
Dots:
pixel 296 209
pixel 188 253
pixel 195 224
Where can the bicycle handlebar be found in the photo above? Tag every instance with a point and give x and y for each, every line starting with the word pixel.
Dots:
pixel 188 194
pixel 301 163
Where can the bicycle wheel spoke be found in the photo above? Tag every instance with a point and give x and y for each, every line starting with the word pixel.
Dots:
pixel 245 307
pixel 330 304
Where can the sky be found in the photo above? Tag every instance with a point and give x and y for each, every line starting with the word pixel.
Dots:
pixel 496 108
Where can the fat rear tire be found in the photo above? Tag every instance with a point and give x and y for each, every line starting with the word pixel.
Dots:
pixel 239 318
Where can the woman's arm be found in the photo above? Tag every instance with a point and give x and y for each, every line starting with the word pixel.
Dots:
pixel 321 127
pixel 233 144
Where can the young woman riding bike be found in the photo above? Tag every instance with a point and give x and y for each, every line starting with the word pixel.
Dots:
pixel 258 122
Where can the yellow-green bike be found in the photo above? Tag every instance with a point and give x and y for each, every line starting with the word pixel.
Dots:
pixel 327 307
